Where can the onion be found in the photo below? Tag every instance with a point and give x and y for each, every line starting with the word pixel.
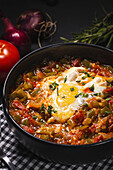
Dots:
pixel 30 21
pixel 17 37
pixel 36 24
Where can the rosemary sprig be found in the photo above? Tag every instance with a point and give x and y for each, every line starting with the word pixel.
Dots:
pixel 100 32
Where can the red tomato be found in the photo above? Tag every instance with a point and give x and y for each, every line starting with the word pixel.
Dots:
pixel 9 55
pixel 19 105
pixel 98 139
pixel 79 116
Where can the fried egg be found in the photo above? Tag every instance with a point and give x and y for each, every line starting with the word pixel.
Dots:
pixel 68 94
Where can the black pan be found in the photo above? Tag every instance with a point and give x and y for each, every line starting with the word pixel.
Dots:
pixel 60 153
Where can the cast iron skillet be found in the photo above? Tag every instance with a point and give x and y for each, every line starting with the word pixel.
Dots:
pixel 60 153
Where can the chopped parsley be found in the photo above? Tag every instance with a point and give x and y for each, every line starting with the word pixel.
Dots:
pixel 85 95
pixel 95 94
pixel 76 95
pixel 84 72
pixel 72 88
pixel 107 112
pixel 65 79
pixel 42 109
pixel 54 110
pixel 109 82
pixel 86 105
pixel 91 88
pixel 63 97
pixel 83 83
pixel 53 85
pixel 84 77
pixel 107 99
pixel 78 81
pixel 34 117
pixel 49 109
pixel 57 92
pixel 57 66
pixel 87 73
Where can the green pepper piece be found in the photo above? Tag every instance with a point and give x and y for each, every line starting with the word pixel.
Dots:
pixel 110 68
pixel 16 117
pixel 47 70
pixel 29 75
pixel 86 63
pixel 89 141
pixel 35 92
pixel 35 77
pixel 18 93
pixel 51 74
pixel 45 137
pixel 21 93
pixel 71 122
pixel 28 85
pixel 90 113
pixel 13 95
pixel 19 79
pixel 105 103
pixel 96 104
pixel 105 111
pixel 25 121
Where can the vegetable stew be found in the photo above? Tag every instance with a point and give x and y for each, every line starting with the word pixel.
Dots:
pixel 65 101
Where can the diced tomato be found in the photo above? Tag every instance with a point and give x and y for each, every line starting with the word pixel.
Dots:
pixel 87 90
pixel 32 82
pixel 111 101
pixel 98 139
pixel 110 120
pixel 28 129
pixel 92 128
pixel 32 121
pixel 102 71
pixel 79 116
pixel 111 128
pixel 76 62
pixel 19 105
pixel 110 90
pixel 39 74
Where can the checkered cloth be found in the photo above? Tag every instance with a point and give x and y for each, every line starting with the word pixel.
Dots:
pixel 25 160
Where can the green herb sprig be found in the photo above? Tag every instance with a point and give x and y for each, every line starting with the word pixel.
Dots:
pixel 100 32
pixel 53 85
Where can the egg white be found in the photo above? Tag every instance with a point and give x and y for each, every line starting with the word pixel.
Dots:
pixel 62 99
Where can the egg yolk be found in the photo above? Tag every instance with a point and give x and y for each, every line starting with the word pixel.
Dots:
pixel 66 95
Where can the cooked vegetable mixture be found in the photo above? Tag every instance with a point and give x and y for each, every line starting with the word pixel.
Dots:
pixel 65 101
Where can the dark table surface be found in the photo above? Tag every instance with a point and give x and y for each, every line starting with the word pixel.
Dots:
pixel 71 15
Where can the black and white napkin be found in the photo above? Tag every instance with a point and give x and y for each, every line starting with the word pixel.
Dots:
pixel 25 160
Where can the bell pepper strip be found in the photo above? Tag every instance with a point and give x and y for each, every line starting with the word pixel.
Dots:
pixel 109 90
pixel 28 129
pixel 98 139
pixel 76 62
pixel 19 105
pixel 79 117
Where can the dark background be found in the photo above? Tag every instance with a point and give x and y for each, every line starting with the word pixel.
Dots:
pixel 70 15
